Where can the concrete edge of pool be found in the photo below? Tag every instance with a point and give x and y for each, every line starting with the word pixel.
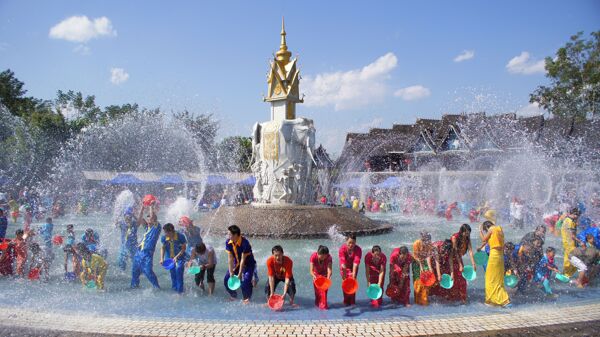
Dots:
pixel 42 323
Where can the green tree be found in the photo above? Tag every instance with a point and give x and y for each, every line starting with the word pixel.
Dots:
pixel 233 154
pixel 203 128
pixel 574 75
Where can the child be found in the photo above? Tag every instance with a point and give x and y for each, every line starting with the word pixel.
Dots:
pixel 6 260
pixel 20 251
pixel 69 250
pixel 37 262
pixel 93 265
pixel 544 269
pixel 3 224
pixel 45 232
pixel 510 258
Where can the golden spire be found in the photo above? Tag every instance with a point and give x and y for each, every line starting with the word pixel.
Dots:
pixel 283 55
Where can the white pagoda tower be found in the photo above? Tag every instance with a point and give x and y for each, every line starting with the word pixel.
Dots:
pixel 282 155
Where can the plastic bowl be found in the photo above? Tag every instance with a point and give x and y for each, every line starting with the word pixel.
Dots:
pixel 427 278
pixel 91 284
pixel 374 291
pixel 481 258
pixel 322 283
pixel 57 240
pixel 469 273
pixel 148 200
pixel 70 276
pixel 194 270
pixel 234 283
pixel 562 278
pixel 168 264
pixel 511 281
pixel 349 286
pixel 446 282
pixel 276 302
pixel 34 274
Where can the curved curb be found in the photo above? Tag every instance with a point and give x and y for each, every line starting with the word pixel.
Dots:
pixel 452 324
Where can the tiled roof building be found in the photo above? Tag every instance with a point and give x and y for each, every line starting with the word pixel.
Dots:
pixel 471 142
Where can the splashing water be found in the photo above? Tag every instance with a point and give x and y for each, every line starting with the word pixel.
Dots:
pixel 182 206
pixel 124 200
pixel 334 235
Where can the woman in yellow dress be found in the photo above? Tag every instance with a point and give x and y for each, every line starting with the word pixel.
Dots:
pixel 495 294
pixel 569 232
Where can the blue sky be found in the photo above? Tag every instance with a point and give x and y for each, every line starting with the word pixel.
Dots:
pixel 364 64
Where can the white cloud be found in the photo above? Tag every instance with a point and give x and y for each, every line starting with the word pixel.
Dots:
pixel 412 93
pixel 118 76
pixel 81 29
pixel 82 49
pixel 531 109
pixel 465 55
pixel 523 64
pixel 353 88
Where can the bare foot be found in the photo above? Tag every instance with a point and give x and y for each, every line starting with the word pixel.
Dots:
pixel 294 305
pixel 231 299
pixel 246 301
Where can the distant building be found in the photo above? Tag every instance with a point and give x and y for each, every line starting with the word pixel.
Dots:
pixel 471 142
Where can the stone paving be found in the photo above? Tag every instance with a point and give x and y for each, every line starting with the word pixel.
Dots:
pixel 448 324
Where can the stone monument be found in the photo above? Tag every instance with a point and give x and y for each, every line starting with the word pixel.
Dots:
pixel 282 148
pixel 282 162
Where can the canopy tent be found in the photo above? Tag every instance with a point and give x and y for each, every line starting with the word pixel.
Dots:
pixel 218 180
pixel 251 181
pixel 125 179
pixel 353 183
pixel 171 179
pixel 390 182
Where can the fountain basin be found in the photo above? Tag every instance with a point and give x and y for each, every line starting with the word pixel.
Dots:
pixel 291 221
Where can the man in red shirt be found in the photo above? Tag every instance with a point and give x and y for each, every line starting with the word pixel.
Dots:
pixel 350 255
pixel 279 269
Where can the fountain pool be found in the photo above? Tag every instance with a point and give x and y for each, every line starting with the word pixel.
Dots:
pixel 119 300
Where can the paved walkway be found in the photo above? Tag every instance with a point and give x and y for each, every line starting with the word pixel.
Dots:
pixel 451 324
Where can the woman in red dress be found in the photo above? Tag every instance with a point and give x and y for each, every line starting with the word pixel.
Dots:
pixel 399 288
pixel 461 244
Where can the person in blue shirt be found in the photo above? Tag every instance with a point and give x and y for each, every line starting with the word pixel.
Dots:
pixel 129 240
pixel 173 247
pixel 142 261
pixel 192 233
pixel 544 269
pixel 47 256
pixel 3 224
pixel 594 232
pixel 91 239
pixel 240 261
pixel 45 232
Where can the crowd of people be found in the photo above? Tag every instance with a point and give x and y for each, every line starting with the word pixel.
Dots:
pixel 421 269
